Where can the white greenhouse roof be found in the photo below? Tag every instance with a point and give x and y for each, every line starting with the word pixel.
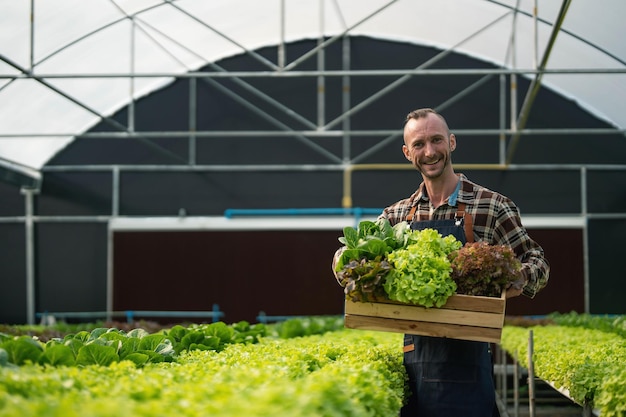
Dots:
pixel 43 108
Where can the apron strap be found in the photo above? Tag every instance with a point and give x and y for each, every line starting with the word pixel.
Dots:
pixel 409 217
pixel 467 222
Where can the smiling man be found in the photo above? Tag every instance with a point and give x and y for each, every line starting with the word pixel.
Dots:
pixel 450 377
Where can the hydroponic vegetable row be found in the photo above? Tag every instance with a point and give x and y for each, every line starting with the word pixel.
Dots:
pixel 259 370
pixel 582 355
pixel 341 373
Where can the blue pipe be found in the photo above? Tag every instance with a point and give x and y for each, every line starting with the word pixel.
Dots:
pixel 356 211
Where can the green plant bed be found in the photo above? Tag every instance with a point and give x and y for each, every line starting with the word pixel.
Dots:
pixel 342 373
pixel 586 363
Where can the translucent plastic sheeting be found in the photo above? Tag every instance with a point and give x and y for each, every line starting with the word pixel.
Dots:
pixel 73 40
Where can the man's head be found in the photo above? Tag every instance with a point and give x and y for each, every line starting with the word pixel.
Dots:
pixel 428 143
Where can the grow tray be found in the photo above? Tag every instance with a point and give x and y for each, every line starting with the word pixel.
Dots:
pixel 464 317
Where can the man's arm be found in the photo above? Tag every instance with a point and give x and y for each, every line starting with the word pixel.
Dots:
pixel 535 267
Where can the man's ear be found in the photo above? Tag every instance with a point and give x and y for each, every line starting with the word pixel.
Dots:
pixel 452 142
pixel 405 151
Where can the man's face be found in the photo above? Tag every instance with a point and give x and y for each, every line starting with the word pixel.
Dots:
pixel 428 145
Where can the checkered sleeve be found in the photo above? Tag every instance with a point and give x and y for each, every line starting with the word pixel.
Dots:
pixel 510 231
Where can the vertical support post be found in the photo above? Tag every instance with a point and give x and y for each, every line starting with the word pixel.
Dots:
pixel 513 81
pixel 29 230
pixel 193 102
pixel 281 46
pixel 115 193
pixel 502 122
pixel 515 385
pixel 346 98
pixel 321 64
pixel 505 377
pixel 346 103
pixel 536 35
pixel 131 87
pixel 531 376
pixel 109 296
pixel 585 214
pixel 31 52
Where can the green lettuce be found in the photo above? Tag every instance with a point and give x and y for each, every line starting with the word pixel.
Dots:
pixel 421 271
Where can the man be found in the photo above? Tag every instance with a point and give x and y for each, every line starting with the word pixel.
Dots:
pixel 450 377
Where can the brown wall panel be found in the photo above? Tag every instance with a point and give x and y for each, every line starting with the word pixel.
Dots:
pixel 284 273
pixel 278 272
pixel 565 289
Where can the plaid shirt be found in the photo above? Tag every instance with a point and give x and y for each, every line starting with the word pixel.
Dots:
pixel 495 220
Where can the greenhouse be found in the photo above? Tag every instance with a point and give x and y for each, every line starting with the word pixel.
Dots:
pixel 175 160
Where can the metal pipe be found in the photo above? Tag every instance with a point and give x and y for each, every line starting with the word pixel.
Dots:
pixel 31 41
pixel 29 229
pixel 516 384
pixel 281 44
pixel 535 85
pixel 309 133
pixel 115 207
pixel 314 168
pixel 321 64
pixel 585 213
pixel 536 34
pixel 358 211
pixel 346 200
pixel 346 95
pixel 109 283
pixel 193 123
pixel 131 79
pixel 513 76
pixel 313 73
pixel 502 121
pixel 531 375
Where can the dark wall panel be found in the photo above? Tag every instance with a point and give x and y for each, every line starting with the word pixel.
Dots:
pixel 607 190
pixel 278 272
pixel 71 259
pixel 606 265
pixel 164 193
pixel 530 190
pixel 75 193
pixel 12 273
pixel 11 200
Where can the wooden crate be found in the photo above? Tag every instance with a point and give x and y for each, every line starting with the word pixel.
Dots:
pixel 462 317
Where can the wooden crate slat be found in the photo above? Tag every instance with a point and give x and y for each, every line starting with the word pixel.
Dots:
pixel 454 331
pixel 435 315
pixel 462 317
pixel 476 303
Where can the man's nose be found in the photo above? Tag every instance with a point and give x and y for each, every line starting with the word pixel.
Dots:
pixel 429 149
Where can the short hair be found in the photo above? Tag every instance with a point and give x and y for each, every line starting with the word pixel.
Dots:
pixel 424 112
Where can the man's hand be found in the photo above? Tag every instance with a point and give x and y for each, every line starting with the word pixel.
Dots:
pixel 512 292
pixel 516 287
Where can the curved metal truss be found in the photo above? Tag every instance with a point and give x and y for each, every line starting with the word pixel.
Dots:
pixel 347 163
